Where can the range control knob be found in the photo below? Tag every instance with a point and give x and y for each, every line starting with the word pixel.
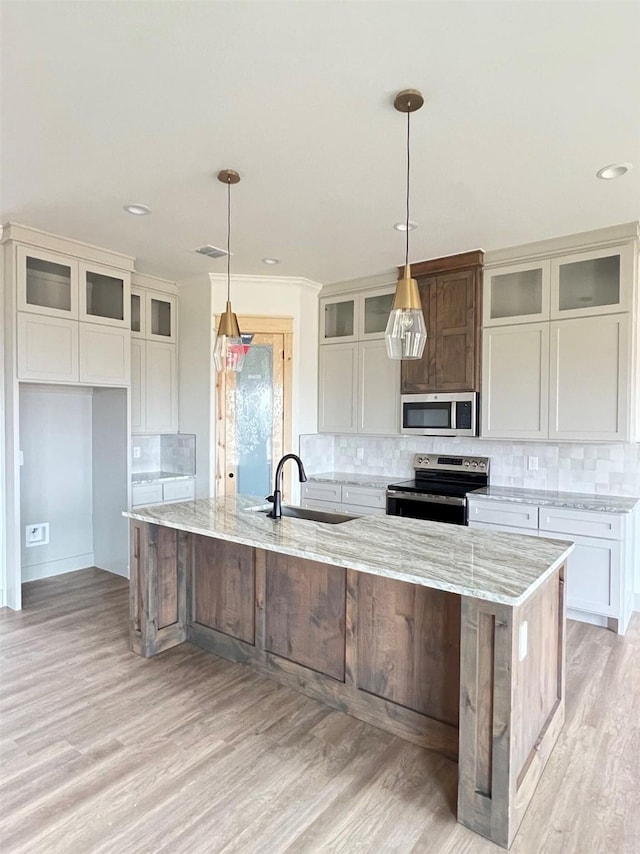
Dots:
pixel 466 462
pixel 474 464
pixel 483 465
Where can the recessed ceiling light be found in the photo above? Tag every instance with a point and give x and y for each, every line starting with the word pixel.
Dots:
pixel 402 226
pixel 613 170
pixel 137 210
pixel 270 260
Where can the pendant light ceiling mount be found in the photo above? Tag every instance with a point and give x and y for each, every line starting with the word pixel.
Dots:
pixel 406 332
pixel 228 176
pixel 408 101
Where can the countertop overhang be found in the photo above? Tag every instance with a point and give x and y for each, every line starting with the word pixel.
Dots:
pixel 497 567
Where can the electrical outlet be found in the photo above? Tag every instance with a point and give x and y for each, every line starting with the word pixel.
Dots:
pixel 532 463
pixel 359 453
pixel 136 452
pixel 523 641
pixel 37 534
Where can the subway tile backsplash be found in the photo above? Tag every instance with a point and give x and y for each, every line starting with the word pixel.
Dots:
pixel 605 469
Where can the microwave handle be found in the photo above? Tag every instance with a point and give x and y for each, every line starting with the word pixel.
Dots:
pixel 454 412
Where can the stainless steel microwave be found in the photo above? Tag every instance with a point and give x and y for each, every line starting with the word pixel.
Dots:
pixel 440 414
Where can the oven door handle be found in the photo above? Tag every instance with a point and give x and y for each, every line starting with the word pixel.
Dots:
pixel 427 497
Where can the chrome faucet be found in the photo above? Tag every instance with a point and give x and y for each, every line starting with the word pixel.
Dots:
pixel 276 513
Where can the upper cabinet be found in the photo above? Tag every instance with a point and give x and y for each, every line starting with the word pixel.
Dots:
pixel 61 286
pixel 450 291
pixel 565 363
pixel 358 317
pixel 358 385
pixel 73 304
pixel 154 355
pixel 517 293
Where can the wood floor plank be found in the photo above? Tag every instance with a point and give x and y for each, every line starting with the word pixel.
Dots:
pixel 102 751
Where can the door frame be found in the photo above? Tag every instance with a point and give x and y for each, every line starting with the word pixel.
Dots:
pixel 257 324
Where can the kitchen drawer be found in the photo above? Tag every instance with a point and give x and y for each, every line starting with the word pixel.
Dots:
pixel 143 494
pixel 363 510
pixel 365 496
pixel 322 491
pixel 507 529
pixel 178 490
pixel 584 523
pixel 512 514
pixel 329 506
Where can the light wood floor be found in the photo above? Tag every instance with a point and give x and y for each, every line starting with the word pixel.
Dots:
pixel 105 752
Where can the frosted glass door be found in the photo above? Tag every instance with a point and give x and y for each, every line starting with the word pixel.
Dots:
pixel 255 418
pixel 375 314
pixel 161 317
pixel 47 284
pixel 338 321
pixel 137 315
pixel 517 294
pixel 591 283
pixel 104 296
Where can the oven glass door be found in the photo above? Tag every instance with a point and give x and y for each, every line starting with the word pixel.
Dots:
pixel 414 506
pixel 428 415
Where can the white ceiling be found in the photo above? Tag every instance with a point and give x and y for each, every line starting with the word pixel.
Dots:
pixel 105 103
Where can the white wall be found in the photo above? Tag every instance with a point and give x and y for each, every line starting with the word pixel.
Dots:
pixel 201 301
pixel 56 483
pixel 110 468
pixel 196 377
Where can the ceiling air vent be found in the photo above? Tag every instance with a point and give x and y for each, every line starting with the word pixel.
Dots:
pixel 211 251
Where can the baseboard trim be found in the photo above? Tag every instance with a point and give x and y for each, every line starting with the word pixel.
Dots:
pixel 121 571
pixel 56 567
pixel 636 602
pixel 586 617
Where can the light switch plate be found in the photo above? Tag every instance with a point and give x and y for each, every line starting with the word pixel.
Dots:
pixel 523 640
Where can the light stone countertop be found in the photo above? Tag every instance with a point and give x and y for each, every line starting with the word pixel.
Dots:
pixel 549 498
pixel 374 480
pixel 158 476
pixel 504 568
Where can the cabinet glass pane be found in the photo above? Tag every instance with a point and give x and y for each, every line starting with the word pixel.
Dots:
pixel 515 294
pixel 160 317
pixel 584 284
pixel 376 313
pixel 105 296
pixel 135 313
pixel 338 319
pixel 48 284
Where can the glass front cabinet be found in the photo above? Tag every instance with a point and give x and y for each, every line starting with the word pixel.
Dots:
pixel 357 317
pixel 517 294
pixel 590 283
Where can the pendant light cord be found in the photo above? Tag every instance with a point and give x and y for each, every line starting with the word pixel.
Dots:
pixel 229 241
pixel 406 252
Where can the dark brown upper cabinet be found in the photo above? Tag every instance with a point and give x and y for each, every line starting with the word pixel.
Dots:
pixel 450 291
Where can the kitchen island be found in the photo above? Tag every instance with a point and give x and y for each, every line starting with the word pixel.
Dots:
pixel 449 637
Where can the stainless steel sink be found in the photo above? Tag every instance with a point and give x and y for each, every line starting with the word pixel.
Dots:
pixel 328 517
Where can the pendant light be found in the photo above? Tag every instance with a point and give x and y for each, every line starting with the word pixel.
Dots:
pixel 229 350
pixel 406 333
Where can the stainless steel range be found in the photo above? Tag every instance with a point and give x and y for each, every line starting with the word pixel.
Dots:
pixel 439 490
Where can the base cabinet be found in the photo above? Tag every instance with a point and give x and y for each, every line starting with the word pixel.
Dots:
pixel 600 568
pixel 345 498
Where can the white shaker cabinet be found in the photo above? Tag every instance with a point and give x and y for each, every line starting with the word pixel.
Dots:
pixel 47 348
pixel 600 568
pixel 104 355
pixel 358 385
pixel 154 356
pixel 338 380
pixel 561 337
pixel 515 386
pixel 589 363
pixel 344 498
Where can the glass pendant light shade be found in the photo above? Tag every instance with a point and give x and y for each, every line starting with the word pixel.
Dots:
pixel 406 332
pixel 228 353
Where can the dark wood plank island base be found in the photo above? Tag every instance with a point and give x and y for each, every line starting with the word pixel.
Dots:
pixel 477 681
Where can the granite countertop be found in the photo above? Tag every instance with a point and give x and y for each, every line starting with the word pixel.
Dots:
pixel 504 568
pixel 373 480
pixel 155 476
pixel 549 498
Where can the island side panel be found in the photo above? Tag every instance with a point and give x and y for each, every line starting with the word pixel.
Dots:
pixel 160 559
pixel 408 646
pixel 511 707
pixel 304 607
